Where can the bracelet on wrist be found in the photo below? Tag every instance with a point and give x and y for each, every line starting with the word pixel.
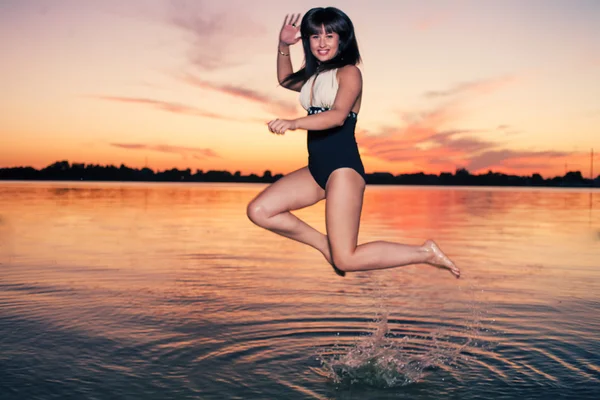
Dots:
pixel 282 53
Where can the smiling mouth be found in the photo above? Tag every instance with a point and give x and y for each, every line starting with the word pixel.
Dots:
pixel 323 52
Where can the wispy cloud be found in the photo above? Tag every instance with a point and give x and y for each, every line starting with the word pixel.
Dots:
pixel 274 107
pixel 507 129
pixel 480 87
pixel 513 158
pixel 433 148
pixel 431 141
pixel 184 151
pixel 176 108
pixel 212 36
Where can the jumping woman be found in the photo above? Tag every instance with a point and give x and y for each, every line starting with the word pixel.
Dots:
pixel 330 86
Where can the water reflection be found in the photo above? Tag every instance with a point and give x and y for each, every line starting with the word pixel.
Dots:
pixel 173 281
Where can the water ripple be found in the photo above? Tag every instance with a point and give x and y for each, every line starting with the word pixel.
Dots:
pixel 115 291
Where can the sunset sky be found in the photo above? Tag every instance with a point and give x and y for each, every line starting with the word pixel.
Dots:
pixel 507 85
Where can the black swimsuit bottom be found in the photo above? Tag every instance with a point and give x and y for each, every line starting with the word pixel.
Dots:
pixel 333 148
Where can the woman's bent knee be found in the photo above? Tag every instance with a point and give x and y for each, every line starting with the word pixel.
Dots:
pixel 256 213
pixel 343 262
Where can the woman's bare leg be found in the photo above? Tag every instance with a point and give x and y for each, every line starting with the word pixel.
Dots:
pixel 345 190
pixel 271 208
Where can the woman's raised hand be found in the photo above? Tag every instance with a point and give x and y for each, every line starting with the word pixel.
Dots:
pixel 290 29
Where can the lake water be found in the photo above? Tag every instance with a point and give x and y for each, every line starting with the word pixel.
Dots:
pixel 168 291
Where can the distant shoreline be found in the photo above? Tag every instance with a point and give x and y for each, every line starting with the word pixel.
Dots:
pixel 65 171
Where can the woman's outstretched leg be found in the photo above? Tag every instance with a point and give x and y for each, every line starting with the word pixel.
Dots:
pixel 345 190
pixel 271 209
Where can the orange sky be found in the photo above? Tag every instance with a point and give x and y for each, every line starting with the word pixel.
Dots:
pixel 509 86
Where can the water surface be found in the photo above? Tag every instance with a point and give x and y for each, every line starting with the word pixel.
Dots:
pixel 167 291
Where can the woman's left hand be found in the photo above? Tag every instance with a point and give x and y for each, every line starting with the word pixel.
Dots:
pixel 279 126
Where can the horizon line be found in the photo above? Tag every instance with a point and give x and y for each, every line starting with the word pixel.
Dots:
pixel 270 173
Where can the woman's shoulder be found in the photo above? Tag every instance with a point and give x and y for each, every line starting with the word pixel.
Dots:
pixel 349 67
pixel 349 72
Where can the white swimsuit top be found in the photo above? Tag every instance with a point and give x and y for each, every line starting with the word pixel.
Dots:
pixel 323 92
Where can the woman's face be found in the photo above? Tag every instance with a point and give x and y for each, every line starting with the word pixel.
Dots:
pixel 323 45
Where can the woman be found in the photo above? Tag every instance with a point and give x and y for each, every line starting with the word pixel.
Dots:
pixel 330 86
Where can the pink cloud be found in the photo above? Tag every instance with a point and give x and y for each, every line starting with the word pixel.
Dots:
pixel 176 108
pixel 215 40
pixel 274 107
pixel 512 158
pixel 431 141
pixel 480 87
pixel 184 151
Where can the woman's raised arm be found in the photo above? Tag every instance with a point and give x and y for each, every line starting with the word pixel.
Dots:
pixel 287 37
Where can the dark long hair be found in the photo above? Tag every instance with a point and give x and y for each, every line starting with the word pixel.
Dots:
pixel 334 20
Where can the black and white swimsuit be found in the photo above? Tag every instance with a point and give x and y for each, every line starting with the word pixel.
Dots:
pixel 332 148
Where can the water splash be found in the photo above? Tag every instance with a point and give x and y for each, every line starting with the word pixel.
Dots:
pixel 385 359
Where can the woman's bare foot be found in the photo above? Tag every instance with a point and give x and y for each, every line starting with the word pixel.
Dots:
pixel 438 259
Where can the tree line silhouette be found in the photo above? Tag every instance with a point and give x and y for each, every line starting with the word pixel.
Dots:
pixel 63 170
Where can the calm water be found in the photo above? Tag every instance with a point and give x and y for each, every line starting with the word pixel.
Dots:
pixel 167 291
